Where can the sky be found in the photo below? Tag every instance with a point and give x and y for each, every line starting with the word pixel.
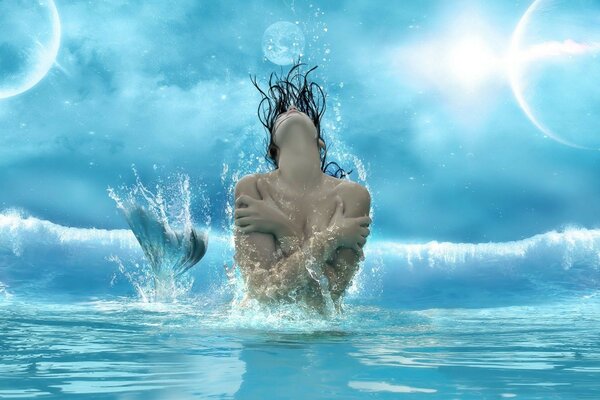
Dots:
pixel 420 103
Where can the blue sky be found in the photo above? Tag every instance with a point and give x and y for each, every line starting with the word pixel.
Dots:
pixel 447 151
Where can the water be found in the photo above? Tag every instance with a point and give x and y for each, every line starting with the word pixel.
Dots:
pixel 118 348
pixel 425 320
pixel 432 104
pixel 163 226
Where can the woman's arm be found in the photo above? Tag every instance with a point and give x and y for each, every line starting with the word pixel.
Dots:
pixel 341 270
pixel 279 279
pixel 289 239
pixel 271 276
pixel 263 215
pixel 267 275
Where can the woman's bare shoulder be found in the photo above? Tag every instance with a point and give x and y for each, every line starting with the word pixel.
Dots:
pixel 347 185
pixel 247 183
pixel 354 192
pixel 251 177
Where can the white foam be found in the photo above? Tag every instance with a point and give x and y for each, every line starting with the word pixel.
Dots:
pixel 18 230
pixel 565 246
pixel 550 256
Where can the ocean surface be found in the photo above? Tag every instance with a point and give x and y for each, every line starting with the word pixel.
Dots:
pixel 435 320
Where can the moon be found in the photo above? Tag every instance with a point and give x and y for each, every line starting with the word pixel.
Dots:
pixel 29 43
pixel 547 63
pixel 283 42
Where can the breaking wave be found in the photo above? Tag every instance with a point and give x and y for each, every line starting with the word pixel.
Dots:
pixel 41 254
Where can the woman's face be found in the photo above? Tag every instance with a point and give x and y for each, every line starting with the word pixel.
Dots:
pixel 293 126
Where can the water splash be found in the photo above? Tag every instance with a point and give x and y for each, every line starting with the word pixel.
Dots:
pixel 163 226
pixel 290 317
pixel 153 288
pixel 248 313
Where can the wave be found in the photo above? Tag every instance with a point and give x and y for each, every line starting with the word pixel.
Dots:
pixel 394 271
pixel 19 231
pixel 543 266
pixel 568 245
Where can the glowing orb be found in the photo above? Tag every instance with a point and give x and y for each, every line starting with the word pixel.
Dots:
pixel 283 42
pixel 554 69
pixel 29 42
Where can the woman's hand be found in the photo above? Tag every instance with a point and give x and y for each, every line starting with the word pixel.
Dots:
pixel 261 215
pixel 349 232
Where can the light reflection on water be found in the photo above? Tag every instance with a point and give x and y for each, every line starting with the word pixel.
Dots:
pixel 122 348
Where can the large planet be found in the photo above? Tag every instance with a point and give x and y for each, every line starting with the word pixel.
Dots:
pixel 29 42
pixel 554 68
pixel 283 42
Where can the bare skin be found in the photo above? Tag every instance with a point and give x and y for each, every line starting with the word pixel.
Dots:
pixel 295 221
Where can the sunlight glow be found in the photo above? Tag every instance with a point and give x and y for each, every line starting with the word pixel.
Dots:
pixel 458 60
pixel 470 61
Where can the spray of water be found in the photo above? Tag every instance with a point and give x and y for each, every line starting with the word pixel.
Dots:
pixel 163 226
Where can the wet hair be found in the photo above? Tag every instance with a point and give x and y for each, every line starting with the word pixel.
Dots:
pixel 308 97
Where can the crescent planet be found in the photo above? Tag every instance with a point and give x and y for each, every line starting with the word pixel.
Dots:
pixel 44 59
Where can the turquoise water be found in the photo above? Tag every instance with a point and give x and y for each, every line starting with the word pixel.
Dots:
pixel 431 320
pixel 122 349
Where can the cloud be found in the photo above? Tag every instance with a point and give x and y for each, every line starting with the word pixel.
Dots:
pixel 165 86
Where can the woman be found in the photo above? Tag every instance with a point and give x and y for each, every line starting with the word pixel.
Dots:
pixel 299 230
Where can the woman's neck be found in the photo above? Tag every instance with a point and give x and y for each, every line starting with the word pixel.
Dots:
pixel 300 172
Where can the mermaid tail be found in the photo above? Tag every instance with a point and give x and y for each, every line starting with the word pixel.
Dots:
pixel 164 247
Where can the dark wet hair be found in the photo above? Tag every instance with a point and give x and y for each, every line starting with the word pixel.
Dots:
pixel 308 97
